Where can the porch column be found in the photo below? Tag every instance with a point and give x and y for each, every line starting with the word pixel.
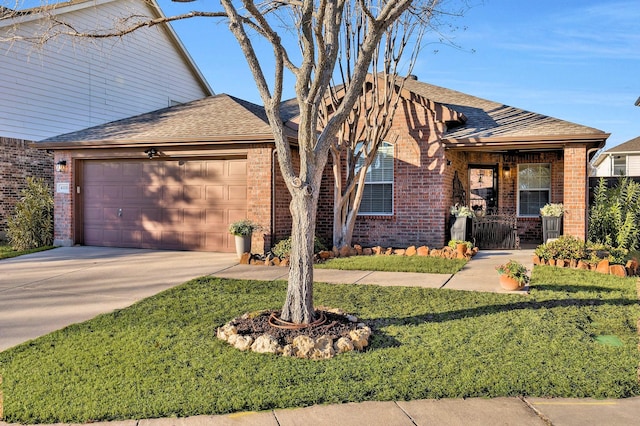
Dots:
pixel 575 191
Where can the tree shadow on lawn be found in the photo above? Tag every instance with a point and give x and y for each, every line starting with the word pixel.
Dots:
pixel 378 323
pixel 567 288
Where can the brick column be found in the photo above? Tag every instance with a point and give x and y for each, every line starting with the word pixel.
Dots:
pixel 63 202
pixel 575 191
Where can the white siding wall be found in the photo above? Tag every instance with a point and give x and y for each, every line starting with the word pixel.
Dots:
pixel 633 165
pixel 71 84
pixel 604 168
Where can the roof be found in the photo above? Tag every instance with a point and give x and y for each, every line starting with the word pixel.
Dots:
pixel 220 118
pixel 493 121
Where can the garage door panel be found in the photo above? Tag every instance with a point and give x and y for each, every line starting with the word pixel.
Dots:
pixel 163 204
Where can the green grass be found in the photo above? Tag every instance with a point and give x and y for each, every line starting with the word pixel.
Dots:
pixel 7 252
pixel 160 357
pixel 422 264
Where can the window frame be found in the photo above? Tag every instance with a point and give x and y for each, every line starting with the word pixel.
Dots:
pixel 381 182
pixel 615 167
pixel 519 213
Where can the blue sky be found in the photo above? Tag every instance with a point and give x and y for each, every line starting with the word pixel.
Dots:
pixel 577 60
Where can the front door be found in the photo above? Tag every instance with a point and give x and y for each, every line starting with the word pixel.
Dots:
pixel 483 182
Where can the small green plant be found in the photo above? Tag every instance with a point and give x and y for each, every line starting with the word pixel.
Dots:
pixel 461 211
pixel 453 244
pixel 243 227
pixel 31 225
pixel 515 270
pixel 283 248
pixel 553 210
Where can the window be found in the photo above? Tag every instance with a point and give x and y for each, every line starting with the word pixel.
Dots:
pixel 378 190
pixel 534 188
pixel 620 165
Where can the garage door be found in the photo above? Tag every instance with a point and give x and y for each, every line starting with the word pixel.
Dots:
pixel 178 205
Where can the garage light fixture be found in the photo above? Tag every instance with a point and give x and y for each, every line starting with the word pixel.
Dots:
pixel 151 152
pixel 61 166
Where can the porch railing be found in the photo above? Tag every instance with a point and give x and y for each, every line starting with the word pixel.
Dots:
pixel 495 232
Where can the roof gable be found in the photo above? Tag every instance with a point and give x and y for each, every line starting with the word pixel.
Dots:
pixel 632 145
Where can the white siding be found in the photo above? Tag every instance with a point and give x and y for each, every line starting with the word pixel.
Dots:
pixel 604 168
pixel 71 84
pixel 633 165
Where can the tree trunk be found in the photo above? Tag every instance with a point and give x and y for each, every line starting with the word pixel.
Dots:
pixel 298 306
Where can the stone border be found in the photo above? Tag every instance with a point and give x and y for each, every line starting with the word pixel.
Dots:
pixel 604 267
pixel 323 347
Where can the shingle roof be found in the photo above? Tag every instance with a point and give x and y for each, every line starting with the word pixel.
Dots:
pixel 220 117
pixel 488 119
pixel 632 145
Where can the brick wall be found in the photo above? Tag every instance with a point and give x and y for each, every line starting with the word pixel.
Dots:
pixel 18 161
pixel 575 196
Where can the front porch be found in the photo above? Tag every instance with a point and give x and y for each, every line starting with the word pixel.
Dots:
pixel 507 185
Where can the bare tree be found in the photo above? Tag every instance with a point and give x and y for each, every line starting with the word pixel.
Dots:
pixel 319 25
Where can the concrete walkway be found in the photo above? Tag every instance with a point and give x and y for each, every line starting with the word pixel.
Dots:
pixel 46 291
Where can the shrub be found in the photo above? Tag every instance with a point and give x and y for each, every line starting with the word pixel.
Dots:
pixel 553 210
pixel 615 215
pixel 454 243
pixel 283 247
pixel 31 225
pixel 243 228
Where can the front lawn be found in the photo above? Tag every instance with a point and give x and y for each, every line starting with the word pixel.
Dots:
pixel 423 264
pixel 574 336
pixel 7 252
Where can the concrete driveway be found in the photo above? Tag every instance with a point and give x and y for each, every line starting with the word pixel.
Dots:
pixel 46 291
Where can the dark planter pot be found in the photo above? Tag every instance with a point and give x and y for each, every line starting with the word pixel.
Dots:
pixel 551 227
pixel 459 228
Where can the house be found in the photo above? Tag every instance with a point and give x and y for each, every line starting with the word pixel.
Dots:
pixel 69 84
pixel 621 160
pixel 176 177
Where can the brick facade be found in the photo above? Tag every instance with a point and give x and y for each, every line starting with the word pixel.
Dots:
pixel 17 162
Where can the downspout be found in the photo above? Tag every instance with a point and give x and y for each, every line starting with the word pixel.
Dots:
pixel 273 198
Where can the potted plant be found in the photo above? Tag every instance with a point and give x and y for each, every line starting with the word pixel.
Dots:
pixel 513 275
pixel 243 230
pixel 551 220
pixel 459 217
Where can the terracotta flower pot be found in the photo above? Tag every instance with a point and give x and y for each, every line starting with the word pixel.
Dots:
pixel 509 283
pixel 461 248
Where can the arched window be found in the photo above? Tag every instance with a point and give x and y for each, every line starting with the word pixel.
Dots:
pixel 378 191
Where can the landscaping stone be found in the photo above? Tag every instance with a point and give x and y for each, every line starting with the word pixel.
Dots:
pixel 582 265
pixel 423 251
pixel 632 267
pixel 618 270
pixel 323 348
pixel 343 345
pixel 603 266
pixel 411 251
pixel 345 251
pixel 266 344
pixel 245 258
pixel 303 346
pixel 358 249
pixel 399 252
pixel 536 260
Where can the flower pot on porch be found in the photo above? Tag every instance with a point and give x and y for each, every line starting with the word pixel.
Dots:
pixel 459 228
pixel 551 227
pixel 243 244
pixel 509 283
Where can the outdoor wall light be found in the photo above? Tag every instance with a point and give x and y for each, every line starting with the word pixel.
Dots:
pixel 151 152
pixel 61 166
pixel 507 171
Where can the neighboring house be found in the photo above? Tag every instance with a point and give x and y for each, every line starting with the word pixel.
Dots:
pixel 621 160
pixel 176 178
pixel 70 84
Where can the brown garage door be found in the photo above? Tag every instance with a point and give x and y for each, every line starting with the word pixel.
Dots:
pixel 180 205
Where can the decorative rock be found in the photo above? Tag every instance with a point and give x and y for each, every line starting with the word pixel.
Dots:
pixel 399 252
pixel 536 260
pixel 325 254
pixel 411 251
pixel 632 267
pixel 289 350
pixel 618 270
pixel 560 263
pixel 389 251
pixel 603 266
pixel 573 263
pixel 552 262
pixel 245 258
pixel 276 261
pixel 284 262
pixel 335 251
pixel 358 249
pixel 423 251
pixel 343 345
pixel 266 344
pixel 345 251
pixel 352 318
pixel 225 331
pixel 360 337
pixel 242 343
pixel 323 348
pixel 582 265
pixel 377 250
pixel 303 346
pixel 367 251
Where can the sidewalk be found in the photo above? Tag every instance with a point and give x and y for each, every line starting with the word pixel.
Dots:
pixel 38 273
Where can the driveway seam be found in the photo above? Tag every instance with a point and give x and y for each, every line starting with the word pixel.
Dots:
pixel 405 413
